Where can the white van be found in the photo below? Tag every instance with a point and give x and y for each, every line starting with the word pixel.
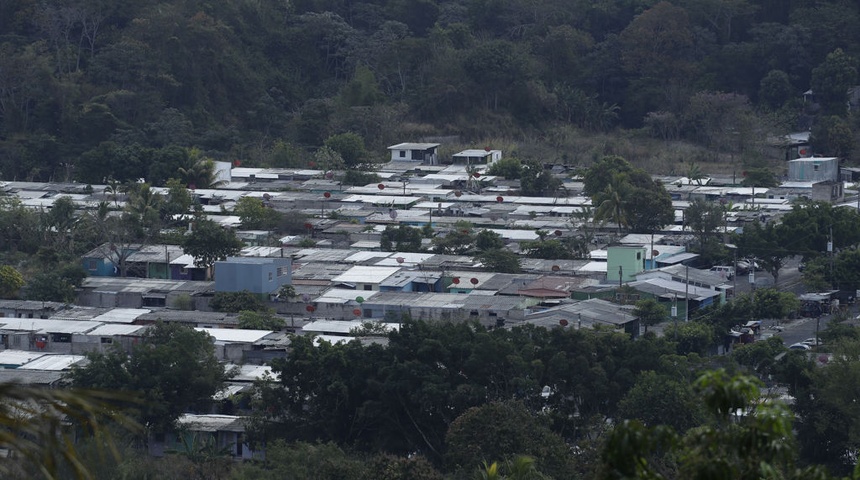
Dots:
pixel 725 271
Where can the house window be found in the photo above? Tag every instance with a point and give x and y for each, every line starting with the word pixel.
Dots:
pixel 368 287
pixel 815 167
pixel 402 153
pixel 107 340
pixel 282 271
pixel 270 276
pixel 638 255
pixel 473 313
pixel 183 271
pixel 92 265
pixel 61 338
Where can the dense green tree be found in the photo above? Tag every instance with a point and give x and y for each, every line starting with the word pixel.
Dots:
pixel 662 400
pixel 502 430
pixel 749 446
pixel 775 89
pixel 172 370
pixel 488 240
pixel 11 281
pixel 831 80
pixel 235 302
pixel 402 238
pixel 691 337
pixel 457 241
pixel 760 177
pixel 537 181
pixel 500 260
pixel 257 320
pixel 511 168
pixel 650 313
pixel 828 425
pixel 627 196
pixel 209 242
pixel 705 219
pixel 50 287
pixel 350 147
pixel 833 135
pixel 767 244
pixel 255 214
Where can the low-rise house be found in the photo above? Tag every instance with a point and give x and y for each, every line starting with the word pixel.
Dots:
pixel 112 292
pixel 623 262
pixel 587 314
pixel 234 344
pixel 107 337
pixel 152 261
pixel 29 309
pixel 364 278
pixel 184 268
pixel 107 260
pixel 417 152
pixel 223 432
pixel 470 157
pixel 814 169
pixel 260 275
pixel 42 335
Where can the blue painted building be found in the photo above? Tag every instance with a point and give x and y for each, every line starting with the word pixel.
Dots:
pixel 103 261
pixel 260 275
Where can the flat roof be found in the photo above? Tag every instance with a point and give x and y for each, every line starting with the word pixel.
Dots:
pixel 235 335
pixel 47 325
pixel 365 274
pixel 117 329
pixel 414 146
pixel 18 357
pixel 54 363
pixel 344 295
pixel 121 315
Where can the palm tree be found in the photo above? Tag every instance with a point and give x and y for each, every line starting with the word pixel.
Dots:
pixel 199 172
pixel 694 174
pixel 37 427
pixel 612 206
pixel 114 190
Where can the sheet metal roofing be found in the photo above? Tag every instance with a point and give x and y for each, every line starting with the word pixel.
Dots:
pixel 343 327
pixel 235 335
pixel 414 146
pixel 212 423
pixel 56 363
pixel 16 358
pixel 248 373
pixel 365 274
pixel 121 315
pixel 117 329
pixel 47 325
pixel 670 289
pixel 342 296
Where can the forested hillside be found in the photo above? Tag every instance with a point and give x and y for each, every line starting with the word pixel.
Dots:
pixel 91 89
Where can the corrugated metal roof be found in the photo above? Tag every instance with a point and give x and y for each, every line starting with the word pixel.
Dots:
pixel 117 329
pixel 47 325
pixel 365 274
pixel 212 423
pixel 121 315
pixel 235 335
pixel 55 363
pixel 344 295
pixel 16 358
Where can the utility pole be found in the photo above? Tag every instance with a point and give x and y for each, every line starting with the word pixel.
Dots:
pixel 675 312
pixel 687 294
pixel 830 252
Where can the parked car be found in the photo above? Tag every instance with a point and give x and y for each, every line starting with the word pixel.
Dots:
pixel 812 342
pixel 725 271
pixel 799 346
